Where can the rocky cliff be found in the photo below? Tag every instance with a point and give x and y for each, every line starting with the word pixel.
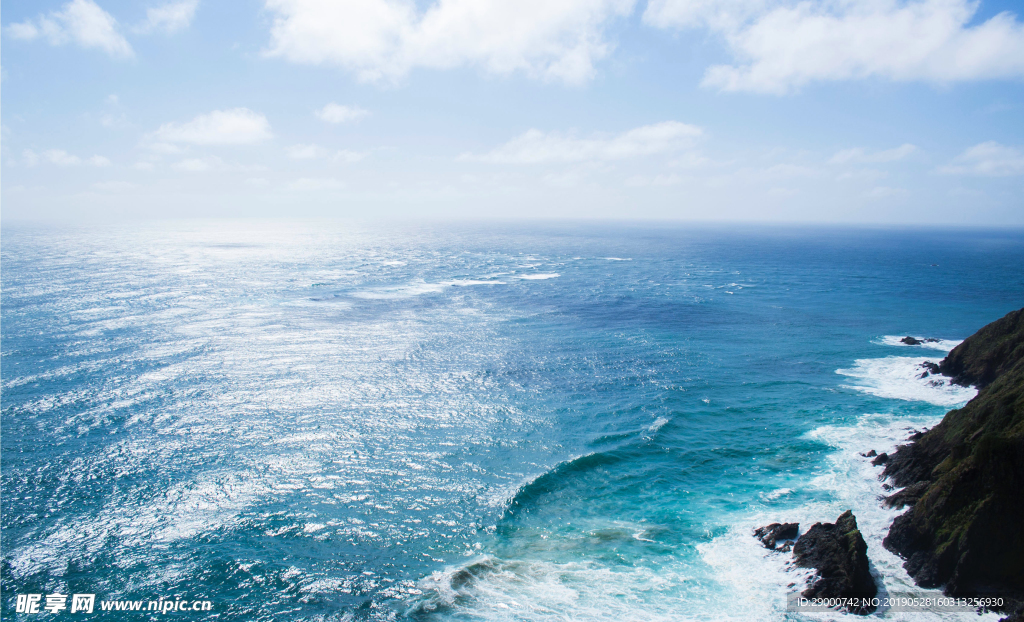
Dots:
pixel 964 478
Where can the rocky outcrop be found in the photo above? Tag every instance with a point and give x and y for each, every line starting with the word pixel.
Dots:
pixel 964 478
pixel 771 535
pixel 911 341
pixel 987 354
pixel 840 556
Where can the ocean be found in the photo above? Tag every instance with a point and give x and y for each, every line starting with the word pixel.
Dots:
pixel 535 421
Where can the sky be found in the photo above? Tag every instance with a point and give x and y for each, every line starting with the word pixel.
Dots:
pixel 837 111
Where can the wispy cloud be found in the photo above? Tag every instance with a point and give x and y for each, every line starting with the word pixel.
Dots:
pixel 988 159
pixel 60 157
pixel 237 126
pixel 537 147
pixel 336 113
pixel 862 156
pixel 169 18
pixel 81 22
pixel 316 152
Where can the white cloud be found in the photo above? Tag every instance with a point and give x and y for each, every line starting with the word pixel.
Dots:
pixel 385 39
pixel 715 14
pixel 989 159
pixel 170 17
pixel 860 156
pixel 114 120
pixel 79 21
pixel 536 147
pixel 61 157
pixel 336 113
pixel 237 126
pixel 345 156
pixel 782 45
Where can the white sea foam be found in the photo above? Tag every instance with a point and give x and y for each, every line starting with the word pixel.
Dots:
pixel 658 423
pixel 419 288
pixel 850 482
pixel 409 290
pixel 899 377
pixel 539 591
pixel 619 258
pixel 468 282
pixel 539 276
pixel 778 493
pixel 941 344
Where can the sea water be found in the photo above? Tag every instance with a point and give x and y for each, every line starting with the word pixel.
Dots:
pixel 329 421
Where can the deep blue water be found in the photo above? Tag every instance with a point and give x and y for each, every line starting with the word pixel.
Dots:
pixel 451 422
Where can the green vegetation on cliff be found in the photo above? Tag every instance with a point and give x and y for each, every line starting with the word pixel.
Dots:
pixel 965 529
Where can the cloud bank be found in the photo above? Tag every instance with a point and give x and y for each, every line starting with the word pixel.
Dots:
pixel 385 39
pixel 782 46
pixel 81 22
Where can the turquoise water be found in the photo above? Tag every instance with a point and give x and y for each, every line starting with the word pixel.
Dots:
pixel 504 422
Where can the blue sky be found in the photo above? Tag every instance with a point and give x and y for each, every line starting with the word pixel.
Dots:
pixel 851 111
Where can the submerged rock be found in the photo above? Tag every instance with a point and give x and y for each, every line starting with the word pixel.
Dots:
pixel 770 535
pixel 840 556
pixel 911 341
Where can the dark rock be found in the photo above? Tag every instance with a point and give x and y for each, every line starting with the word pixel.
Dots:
pixel 770 535
pixel 907 496
pixel 963 478
pixel 1016 616
pixel 988 353
pixel 840 556
pixel 910 341
pixel 880 459
pixel 870 454
pixel 929 369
